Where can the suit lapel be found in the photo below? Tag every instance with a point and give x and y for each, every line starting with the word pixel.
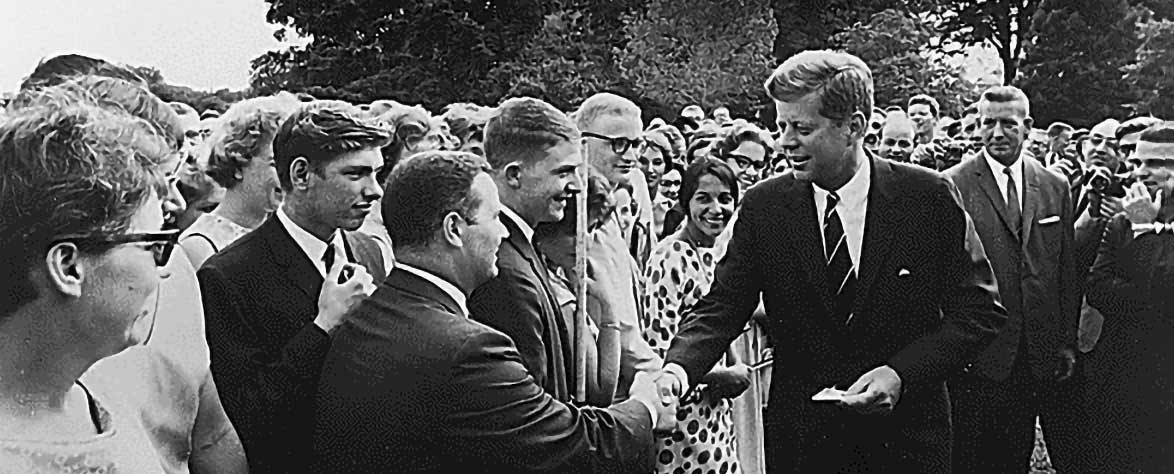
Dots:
pixel 296 266
pixel 986 181
pixel 878 230
pixel 1031 197
pixel 801 199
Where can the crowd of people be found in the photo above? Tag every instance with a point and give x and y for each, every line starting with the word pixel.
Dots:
pixel 304 285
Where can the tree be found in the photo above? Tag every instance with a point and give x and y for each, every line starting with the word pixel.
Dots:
pixel 1003 24
pixel 811 24
pixel 700 52
pixel 1151 76
pixel 200 100
pixel 1073 67
pixel 893 44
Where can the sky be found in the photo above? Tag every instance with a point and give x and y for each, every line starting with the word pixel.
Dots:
pixel 203 44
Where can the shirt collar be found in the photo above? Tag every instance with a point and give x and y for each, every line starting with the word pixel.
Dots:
pixel 448 288
pixel 527 231
pixel 855 190
pixel 312 246
pixel 997 168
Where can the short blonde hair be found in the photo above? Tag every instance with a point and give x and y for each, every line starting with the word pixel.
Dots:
pixel 242 131
pixel 601 104
pixel 843 82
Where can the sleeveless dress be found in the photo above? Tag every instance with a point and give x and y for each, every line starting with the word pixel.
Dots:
pixel 216 230
pixel 704 439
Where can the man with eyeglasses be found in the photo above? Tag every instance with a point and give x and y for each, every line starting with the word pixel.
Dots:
pixel 612 132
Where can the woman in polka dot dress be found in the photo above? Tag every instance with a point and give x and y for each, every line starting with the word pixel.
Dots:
pixel 679 274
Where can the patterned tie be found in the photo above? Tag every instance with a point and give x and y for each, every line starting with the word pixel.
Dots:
pixel 840 272
pixel 1013 211
pixel 328 257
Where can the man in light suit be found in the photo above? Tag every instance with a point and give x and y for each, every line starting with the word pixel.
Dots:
pixel 273 297
pixel 1024 216
pixel 875 284
pixel 411 384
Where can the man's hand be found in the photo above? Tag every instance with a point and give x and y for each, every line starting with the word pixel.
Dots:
pixel 728 382
pixel 669 387
pixel 646 389
pixel 336 299
pixel 875 392
pixel 1065 364
pixel 1111 206
pixel 1139 207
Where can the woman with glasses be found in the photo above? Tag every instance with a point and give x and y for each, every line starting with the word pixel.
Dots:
pixel 81 223
pixel 746 149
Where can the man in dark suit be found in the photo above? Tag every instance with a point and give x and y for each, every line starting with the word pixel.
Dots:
pixel 533 149
pixel 411 384
pixel 273 297
pixel 1024 216
pixel 875 285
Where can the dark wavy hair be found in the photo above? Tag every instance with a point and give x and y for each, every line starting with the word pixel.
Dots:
pixel 320 132
pixel 424 188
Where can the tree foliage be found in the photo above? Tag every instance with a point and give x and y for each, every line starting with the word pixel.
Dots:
pixel 1152 73
pixel 894 45
pixel 700 52
pixel 1005 25
pixel 1073 68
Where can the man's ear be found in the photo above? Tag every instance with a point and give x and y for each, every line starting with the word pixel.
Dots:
pixel 299 172
pixel 513 174
pixel 451 229
pixel 1027 123
pixel 857 126
pixel 64 269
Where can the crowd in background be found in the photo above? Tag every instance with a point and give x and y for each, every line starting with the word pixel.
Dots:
pixel 232 292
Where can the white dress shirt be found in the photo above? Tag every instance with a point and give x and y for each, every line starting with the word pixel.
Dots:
pixel 527 231
pixel 312 246
pixel 448 288
pixel 1001 176
pixel 852 209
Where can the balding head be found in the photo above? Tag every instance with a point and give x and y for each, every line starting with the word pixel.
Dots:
pixel 897 137
pixel 1100 147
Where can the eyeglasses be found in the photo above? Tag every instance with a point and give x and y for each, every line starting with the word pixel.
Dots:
pixel 745 161
pixel 670 182
pixel 619 145
pixel 161 243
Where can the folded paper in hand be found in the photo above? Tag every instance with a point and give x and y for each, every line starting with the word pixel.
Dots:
pixel 830 394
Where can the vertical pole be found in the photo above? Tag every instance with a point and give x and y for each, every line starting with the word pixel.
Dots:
pixel 581 334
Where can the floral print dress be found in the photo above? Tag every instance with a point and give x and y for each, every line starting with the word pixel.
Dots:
pixel 678 275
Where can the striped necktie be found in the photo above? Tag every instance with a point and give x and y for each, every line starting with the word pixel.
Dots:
pixel 841 274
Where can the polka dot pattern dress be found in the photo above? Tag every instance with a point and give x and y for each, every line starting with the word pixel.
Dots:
pixel 678 275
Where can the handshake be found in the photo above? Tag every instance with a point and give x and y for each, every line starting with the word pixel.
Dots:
pixel 662 390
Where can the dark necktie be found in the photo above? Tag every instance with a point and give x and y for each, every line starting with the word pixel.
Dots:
pixel 1013 211
pixel 328 257
pixel 840 273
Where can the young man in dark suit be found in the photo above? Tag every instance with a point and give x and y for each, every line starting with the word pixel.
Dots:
pixel 273 297
pixel 1024 216
pixel 411 384
pixel 533 149
pixel 875 285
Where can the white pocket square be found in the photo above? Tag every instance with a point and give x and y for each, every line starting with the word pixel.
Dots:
pixel 1049 220
pixel 903 272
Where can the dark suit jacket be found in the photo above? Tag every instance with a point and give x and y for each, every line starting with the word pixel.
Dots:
pixel 926 304
pixel 1036 270
pixel 411 385
pixel 260 299
pixel 519 302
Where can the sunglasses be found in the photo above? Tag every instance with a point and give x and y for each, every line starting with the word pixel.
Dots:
pixel 162 243
pixel 745 162
pixel 619 145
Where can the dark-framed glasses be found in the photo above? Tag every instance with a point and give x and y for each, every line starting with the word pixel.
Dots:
pixel 619 145
pixel 161 243
pixel 744 162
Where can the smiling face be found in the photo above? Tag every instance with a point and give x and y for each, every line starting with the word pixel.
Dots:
pixel 747 161
pixel 670 184
pixel 616 167
pixel 544 186
pixel 652 163
pixel 1155 170
pixel 922 117
pixel 342 195
pixel 897 140
pixel 820 150
pixel 711 206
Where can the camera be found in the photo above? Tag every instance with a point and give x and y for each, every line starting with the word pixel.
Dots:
pixel 1106 183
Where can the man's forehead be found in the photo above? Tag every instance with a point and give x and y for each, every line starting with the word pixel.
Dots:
pixel 1107 129
pixel 617 125
pixel 1155 151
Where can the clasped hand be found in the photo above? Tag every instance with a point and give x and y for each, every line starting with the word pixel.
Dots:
pixel 1139 207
